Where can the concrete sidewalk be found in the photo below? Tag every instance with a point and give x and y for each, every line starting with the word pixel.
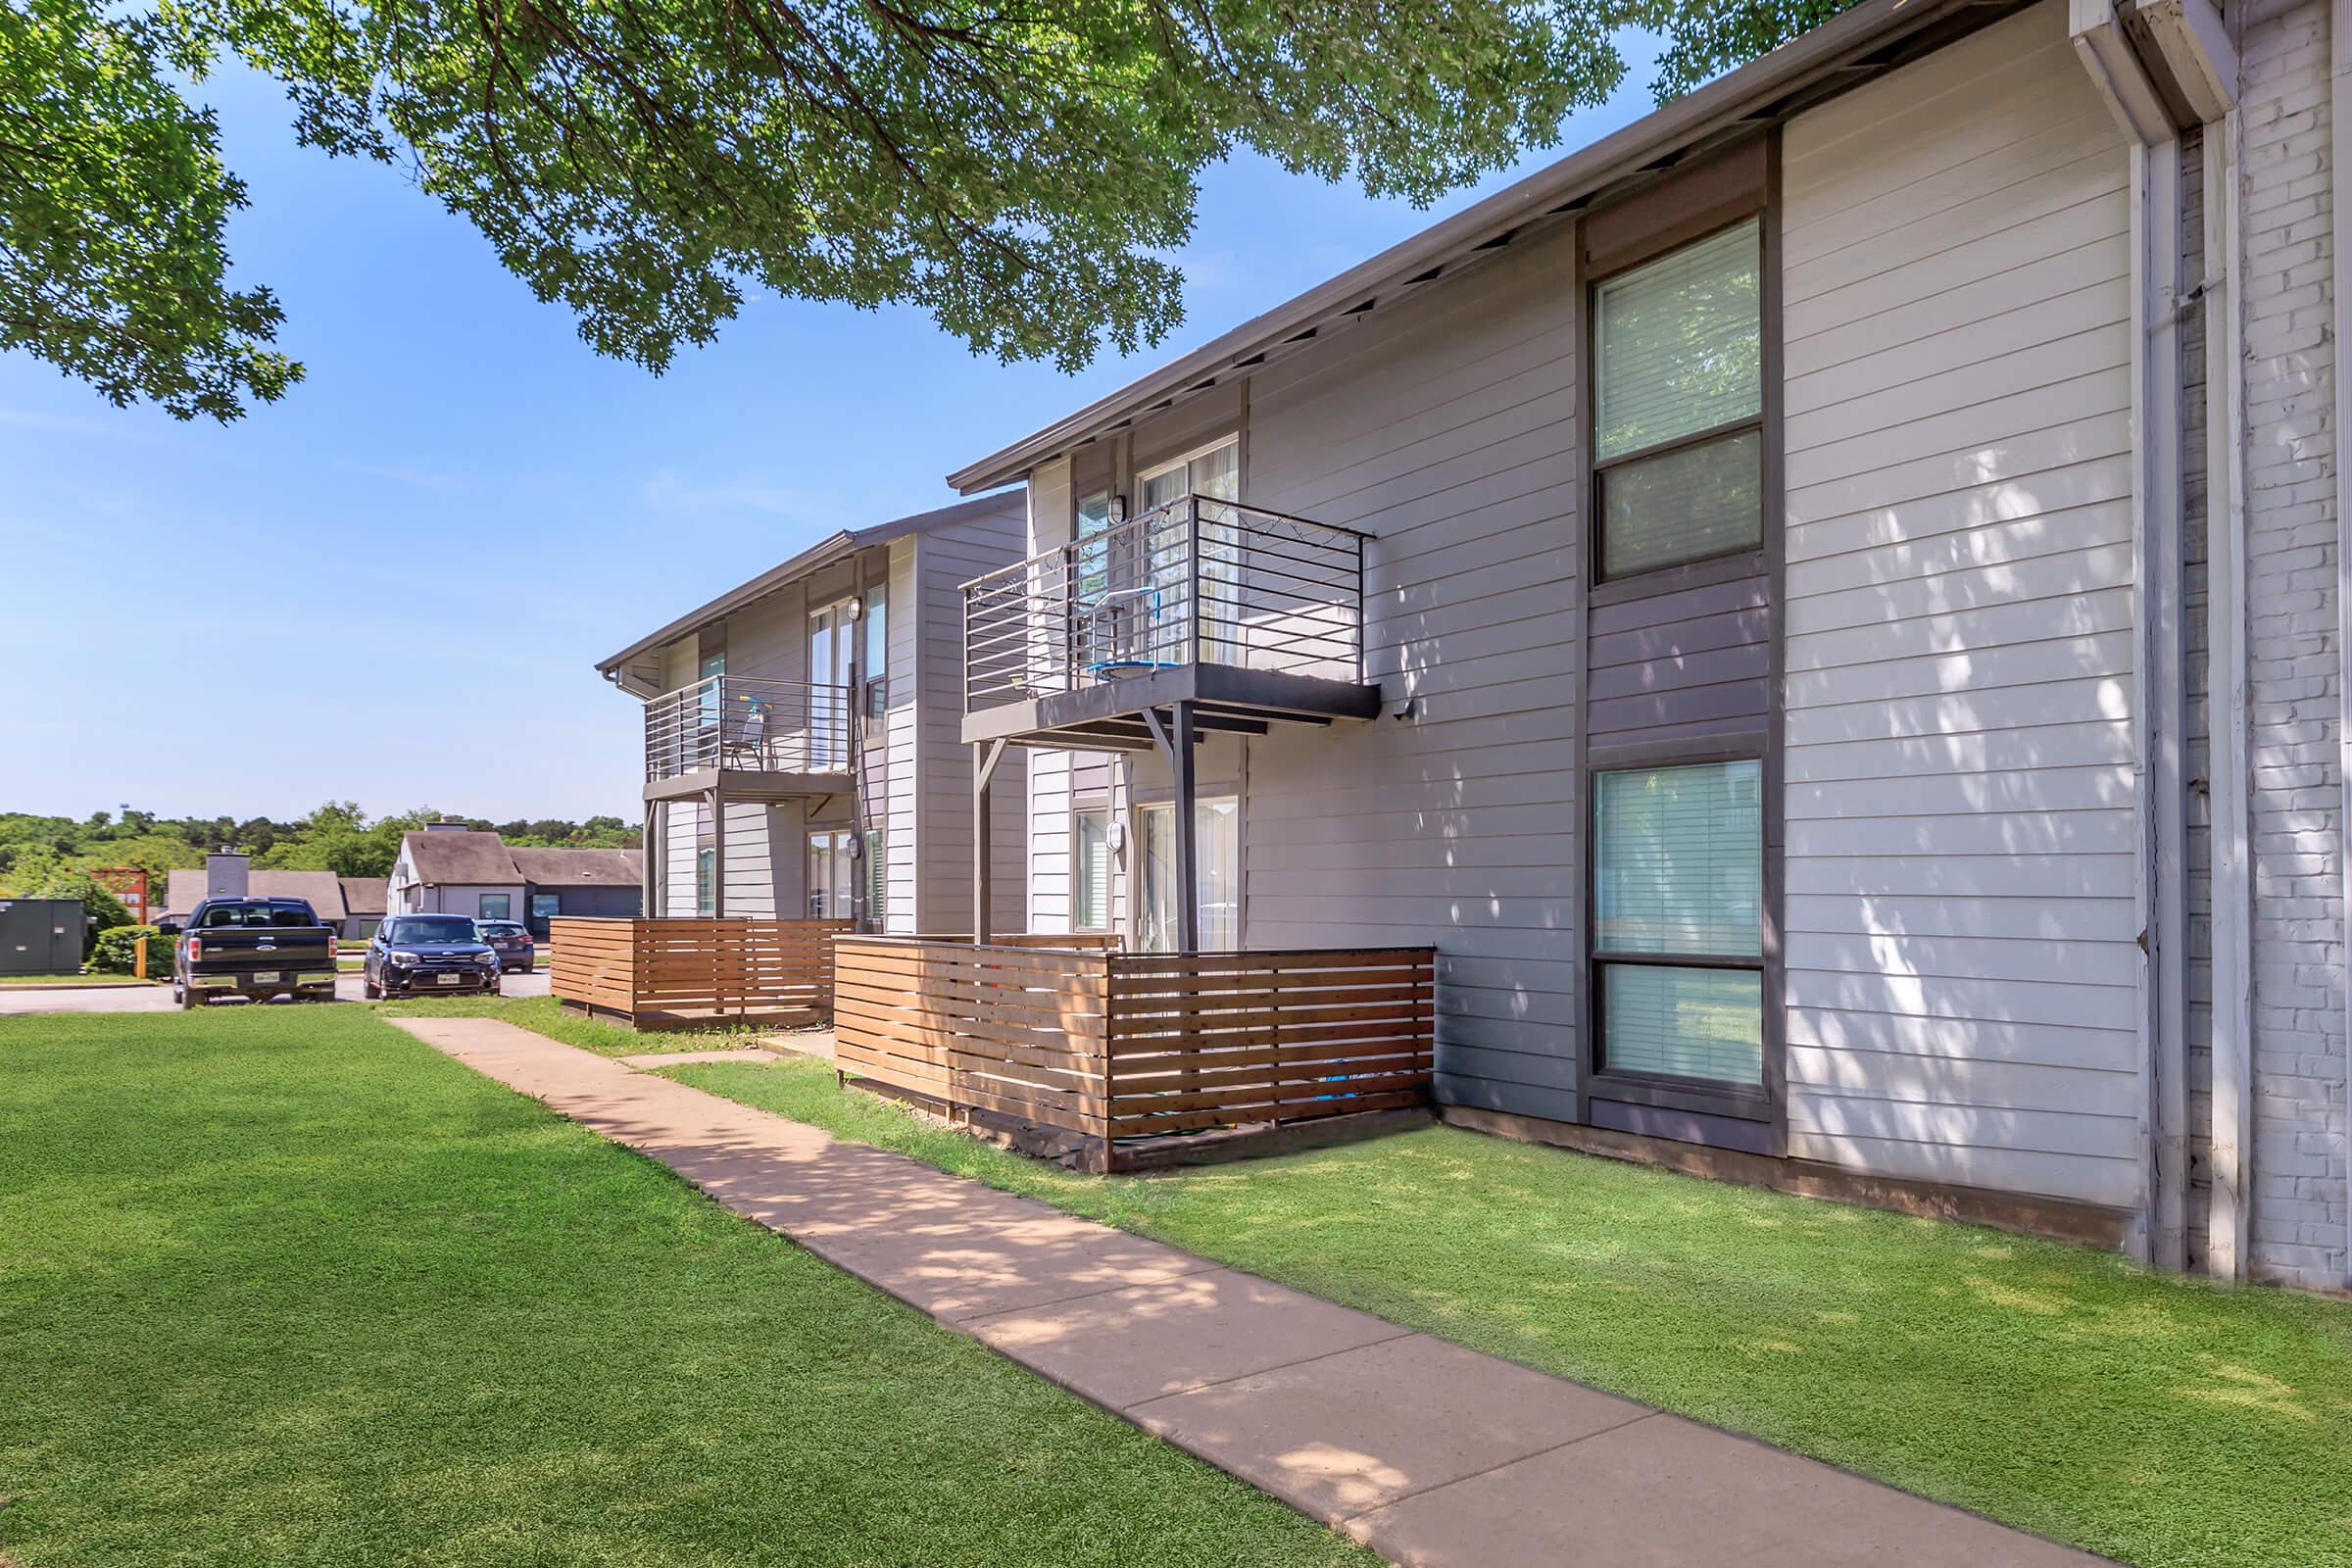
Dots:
pixel 1427 1452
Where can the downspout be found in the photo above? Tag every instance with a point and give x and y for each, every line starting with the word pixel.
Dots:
pixel 2229 1223
pixel 2339 146
pixel 2143 115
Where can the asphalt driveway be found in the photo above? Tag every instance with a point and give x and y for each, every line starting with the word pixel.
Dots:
pixel 157 999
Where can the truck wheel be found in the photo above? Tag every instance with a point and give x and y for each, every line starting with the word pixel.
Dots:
pixel 184 1000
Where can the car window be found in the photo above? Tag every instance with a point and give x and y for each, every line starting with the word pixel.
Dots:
pixel 447 929
pixel 221 915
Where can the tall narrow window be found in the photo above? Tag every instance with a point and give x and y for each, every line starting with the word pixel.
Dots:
pixel 876 659
pixel 1089 872
pixel 1678 924
pixel 1677 406
pixel 706 880
pixel 877 877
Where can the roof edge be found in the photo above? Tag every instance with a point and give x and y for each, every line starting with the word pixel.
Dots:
pixel 815 558
pixel 1735 96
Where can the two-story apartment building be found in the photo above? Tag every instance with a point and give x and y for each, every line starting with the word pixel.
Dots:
pixel 1823 606
pixel 802 747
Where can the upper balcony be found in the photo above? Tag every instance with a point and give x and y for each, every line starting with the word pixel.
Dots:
pixel 753 739
pixel 1250 617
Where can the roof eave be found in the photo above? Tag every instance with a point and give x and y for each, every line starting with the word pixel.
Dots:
pixel 817 557
pixel 1743 96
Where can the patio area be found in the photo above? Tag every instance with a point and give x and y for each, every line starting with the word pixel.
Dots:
pixel 1119 1051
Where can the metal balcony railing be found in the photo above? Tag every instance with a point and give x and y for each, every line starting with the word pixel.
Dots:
pixel 750 725
pixel 1197 581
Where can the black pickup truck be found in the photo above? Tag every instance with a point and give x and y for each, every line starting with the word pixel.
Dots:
pixel 258 948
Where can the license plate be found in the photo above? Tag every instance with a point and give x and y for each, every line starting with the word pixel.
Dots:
pixel 447 979
pixel 269 977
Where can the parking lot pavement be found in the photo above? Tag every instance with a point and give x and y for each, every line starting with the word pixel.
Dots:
pixel 157 999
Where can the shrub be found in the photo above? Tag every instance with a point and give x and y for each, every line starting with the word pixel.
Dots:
pixel 101 910
pixel 116 951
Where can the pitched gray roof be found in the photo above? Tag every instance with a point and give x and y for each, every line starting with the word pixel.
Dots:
pixel 823 554
pixel 366 894
pixel 580 868
pixel 446 857
pixel 183 890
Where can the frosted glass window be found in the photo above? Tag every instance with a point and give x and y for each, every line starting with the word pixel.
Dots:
pixel 1092 873
pixel 1678 351
pixel 1684 1023
pixel 1679 861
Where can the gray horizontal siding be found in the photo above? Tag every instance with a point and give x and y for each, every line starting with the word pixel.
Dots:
pixel 1961 971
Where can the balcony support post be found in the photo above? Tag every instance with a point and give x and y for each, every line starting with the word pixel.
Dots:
pixel 1174 737
pixel 1188 848
pixel 985 757
pixel 718 845
pixel 649 855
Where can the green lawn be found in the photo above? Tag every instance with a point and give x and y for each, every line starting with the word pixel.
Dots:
pixel 287 1287
pixel 602 1036
pixel 73 980
pixel 2155 1419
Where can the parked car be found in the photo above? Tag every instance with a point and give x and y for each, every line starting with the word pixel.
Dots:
pixel 511 939
pixel 417 953
pixel 257 948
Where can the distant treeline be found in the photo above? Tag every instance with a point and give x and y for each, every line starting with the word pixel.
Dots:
pixel 40 855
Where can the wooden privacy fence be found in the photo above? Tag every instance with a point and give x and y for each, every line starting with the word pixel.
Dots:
pixel 677 973
pixel 1118 1046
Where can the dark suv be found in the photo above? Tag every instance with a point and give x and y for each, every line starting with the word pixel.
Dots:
pixel 512 941
pixel 411 954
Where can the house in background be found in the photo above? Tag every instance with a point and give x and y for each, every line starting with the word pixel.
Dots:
pixel 447 868
pixel 802 749
pixel 1748 594
pixel 363 901
pixel 352 904
pixel 597 883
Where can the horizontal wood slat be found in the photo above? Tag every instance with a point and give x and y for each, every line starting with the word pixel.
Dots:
pixel 1074 1035
pixel 696 970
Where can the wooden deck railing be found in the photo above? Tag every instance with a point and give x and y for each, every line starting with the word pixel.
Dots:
pixel 1118 1046
pixel 678 973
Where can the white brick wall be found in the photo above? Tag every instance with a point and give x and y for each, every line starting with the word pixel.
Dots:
pixel 2292 697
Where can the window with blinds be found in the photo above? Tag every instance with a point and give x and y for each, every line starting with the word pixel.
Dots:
pixel 1678 405
pixel 877 877
pixel 1090 893
pixel 1678 873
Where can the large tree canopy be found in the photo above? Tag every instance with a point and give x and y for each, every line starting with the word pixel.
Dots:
pixel 1018 168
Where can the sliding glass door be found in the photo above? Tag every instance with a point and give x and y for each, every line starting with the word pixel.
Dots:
pixel 1217 843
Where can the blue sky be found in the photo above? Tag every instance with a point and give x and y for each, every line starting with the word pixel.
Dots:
pixel 393 586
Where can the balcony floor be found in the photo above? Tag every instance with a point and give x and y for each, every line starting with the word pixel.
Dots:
pixel 1108 716
pixel 744 784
